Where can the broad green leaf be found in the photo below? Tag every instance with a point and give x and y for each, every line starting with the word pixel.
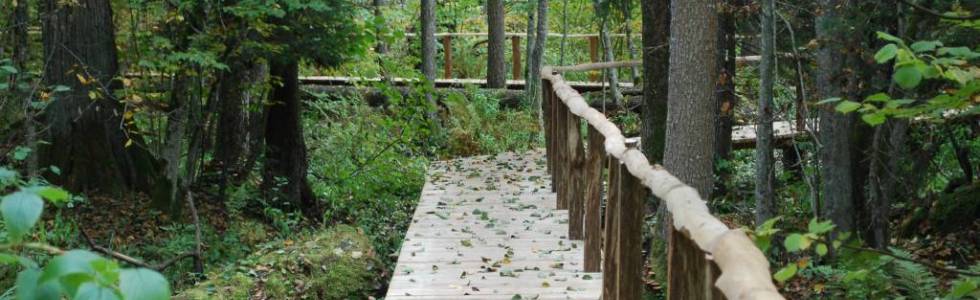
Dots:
pixel 21 153
pixel 94 291
pixel 143 284
pixel 907 77
pixel 821 249
pixel 888 37
pixel 961 288
pixel 848 106
pixel 962 52
pixel 27 288
pixel 61 89
pixel 785 273
pixel 879 97
pixel 72 262
pixel 7 259
pixel 829 100
pixel 817 227
pixel 20 211
pixel 55 169
pixel 793 242
pixel 7 176
pixel 874 119
pixel 9 69
pixel 54 194
pixel 925 46
pixel 898 103
pixel 886 53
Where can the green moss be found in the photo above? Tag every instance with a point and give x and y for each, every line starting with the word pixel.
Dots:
pixel 337 263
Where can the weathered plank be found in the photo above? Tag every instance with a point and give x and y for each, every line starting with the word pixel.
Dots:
pixel 593 200
pixel 691 275
pixel 609 261
pixel 629 256
pixel 575 189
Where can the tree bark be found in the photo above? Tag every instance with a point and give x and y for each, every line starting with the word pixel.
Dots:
pixel 690 119
pixel 609 56
pixel 381 47
pixel 18 48
pixel 837 162
pixel 765 205
pixel 496 56
pixel 656 61
pixel 429 39
pixel 234 137
pixel 285 151
pixel 537 56
pixel 531 86
pixel 87 138
pixel 725 98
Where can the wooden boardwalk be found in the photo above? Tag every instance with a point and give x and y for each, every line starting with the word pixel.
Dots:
pixel 486 227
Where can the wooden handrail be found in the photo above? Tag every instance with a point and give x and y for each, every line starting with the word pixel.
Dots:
pixel 706 259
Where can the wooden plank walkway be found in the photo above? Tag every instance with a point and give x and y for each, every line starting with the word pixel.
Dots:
pixel 486 227
pixel 585 86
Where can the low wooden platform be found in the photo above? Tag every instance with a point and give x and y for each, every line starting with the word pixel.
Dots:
pixel 486 228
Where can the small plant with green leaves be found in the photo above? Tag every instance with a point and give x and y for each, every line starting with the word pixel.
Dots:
pixel 952 70
pixel 71 274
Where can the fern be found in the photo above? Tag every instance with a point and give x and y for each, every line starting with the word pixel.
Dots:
pixel 913 279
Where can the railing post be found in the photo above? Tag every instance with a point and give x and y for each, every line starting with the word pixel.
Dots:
pixel 610 240
pixel 575 193
pixel 593 200
pixel 630 248
pixel 690 274
pixel 593 55
pixel 547 100
pixel 447 50
pixel 515 49
pixel 561 153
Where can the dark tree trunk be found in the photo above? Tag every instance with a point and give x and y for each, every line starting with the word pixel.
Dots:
pixel 239 101
pixel 429 39
pixel 18 48
pixel 285 146
pixel 381 47
pixel 690 120
pixel 725 90
pixel 87 137
pixel 765 177
pixel 840 155
pixel 537 53
pixel 656 67
pixel 496 64
pixel 656 62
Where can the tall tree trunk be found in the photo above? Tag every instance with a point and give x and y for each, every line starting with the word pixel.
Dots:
pixel 537 51
pixel 725 98
pixel 239 98
pixel 564 32
pixel 690 120
pixel 765 177
pixel 836 130
pixel 612 75
pixel 630 45
pixel 86 135
pixel 285 146
pixel 18 48
pixel 175 140
pixel 656 70
pixel 530 86
pixel 381 47
pixel 496 62
pixel 429 39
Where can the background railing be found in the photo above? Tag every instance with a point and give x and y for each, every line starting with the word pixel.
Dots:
pixel 706 259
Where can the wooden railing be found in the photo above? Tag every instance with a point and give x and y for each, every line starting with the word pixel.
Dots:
pixel 706 259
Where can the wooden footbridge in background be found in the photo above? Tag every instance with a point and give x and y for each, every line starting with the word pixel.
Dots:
pixel 567 222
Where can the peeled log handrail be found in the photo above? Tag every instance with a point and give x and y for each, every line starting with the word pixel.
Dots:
pixel 744 269
pixel 632 63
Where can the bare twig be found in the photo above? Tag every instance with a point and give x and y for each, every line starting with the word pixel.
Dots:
pixel 197 253
pixel 939 14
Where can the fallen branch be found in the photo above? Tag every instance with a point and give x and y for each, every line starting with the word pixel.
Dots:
pixel 129 259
